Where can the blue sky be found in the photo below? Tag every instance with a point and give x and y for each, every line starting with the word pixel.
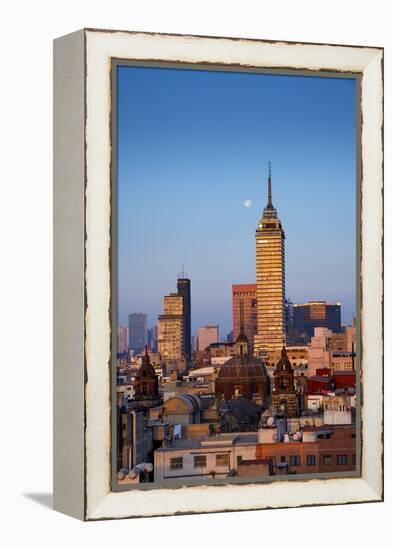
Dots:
pixel 193 146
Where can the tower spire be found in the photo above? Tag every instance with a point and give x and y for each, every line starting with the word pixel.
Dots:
pixel 269 185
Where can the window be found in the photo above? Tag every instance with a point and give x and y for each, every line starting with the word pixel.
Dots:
pixel 327 460
pixel 310 460
pixel 239 459
pixel 271 459
pixel 177 463
pixel 282 458
pixel 222 460
pixel 354 460
pixel 342 460
pixel 294 460
pixel 200 461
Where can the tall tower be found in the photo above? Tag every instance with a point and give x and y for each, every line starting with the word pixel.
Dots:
pixel 270 270
pixel 184 290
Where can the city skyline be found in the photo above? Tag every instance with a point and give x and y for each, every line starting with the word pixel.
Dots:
pixel 201 212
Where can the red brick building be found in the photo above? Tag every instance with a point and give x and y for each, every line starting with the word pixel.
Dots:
pixel 244 311
pixel 323 450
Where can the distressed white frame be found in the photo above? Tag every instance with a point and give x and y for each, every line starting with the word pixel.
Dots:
pixel 99 47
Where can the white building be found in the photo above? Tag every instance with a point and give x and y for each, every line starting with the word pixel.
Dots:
pixel 204 458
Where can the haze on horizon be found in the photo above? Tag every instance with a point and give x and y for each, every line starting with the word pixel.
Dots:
pixel 193 146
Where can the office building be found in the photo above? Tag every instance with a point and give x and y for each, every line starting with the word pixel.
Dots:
pixel 244 312
pixel 137 331
pixel 270 271
pixel 171 328
pixel 308 316
pixel 207 335
pixel 184 290
pixel 122 339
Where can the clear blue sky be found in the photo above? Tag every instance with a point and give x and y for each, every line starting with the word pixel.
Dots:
pixel 193 146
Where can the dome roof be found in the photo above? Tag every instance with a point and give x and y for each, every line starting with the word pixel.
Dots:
pixel 242 366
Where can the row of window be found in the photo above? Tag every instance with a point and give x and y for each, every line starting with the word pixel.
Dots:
pixel 200 461
pixel 327 460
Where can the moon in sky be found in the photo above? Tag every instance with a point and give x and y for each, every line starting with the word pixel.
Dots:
pixel 247 203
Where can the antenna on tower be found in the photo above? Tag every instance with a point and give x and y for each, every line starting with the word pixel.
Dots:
pixel 269 186
pixel 182 274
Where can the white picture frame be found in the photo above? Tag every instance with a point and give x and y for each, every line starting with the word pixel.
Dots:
pixel 82 257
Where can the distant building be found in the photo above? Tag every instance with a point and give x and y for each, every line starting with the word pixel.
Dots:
pixel 184 290
pixel 270 270
pixel 122 339
pixel 244 311
pixel 194 343
pixel 308 316
pixel 137 331
pixel 171 328
pixel 154 338
pixel 207 335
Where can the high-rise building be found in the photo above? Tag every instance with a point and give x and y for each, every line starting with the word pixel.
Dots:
pixel 137 331
pixel 207 335
pixel 171 328
pixel 154 338
pixel 122 339
pixel 244 312
pixel 184 290
pixel 311 315
pixel 270 271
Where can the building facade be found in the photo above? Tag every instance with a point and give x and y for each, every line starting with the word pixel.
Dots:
pixel 171 328
pixel 137 331
pixel 308 316
pixel 184 290
pixel 270 272
pixel 244 311
pixel 122 339
pixel 207 335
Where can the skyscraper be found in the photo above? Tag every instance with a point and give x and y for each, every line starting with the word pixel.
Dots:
pixel 308 316
pixel 270 271
pixel 137 331
pixel 171 328
pixel 184 290
pixel 244 312
pixel 207 335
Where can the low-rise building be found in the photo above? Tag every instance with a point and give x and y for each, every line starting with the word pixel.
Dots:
pixel 204 458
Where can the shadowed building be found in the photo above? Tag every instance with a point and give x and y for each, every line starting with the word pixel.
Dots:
pixel 311 315
pixel 270 270
pixel 184 290
pixel 284 399
pixel 244 311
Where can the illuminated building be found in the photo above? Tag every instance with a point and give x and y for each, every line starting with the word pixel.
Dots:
pixel 171 328
pixel 244 311
pixel 270 271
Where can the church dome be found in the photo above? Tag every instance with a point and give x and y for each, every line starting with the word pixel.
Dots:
pixel 242 366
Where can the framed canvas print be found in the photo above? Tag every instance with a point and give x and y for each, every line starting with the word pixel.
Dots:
pixel 218 274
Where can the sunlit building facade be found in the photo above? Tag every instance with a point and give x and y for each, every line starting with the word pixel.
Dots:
pixel 244 312
pixel 270 272
pixel 171 328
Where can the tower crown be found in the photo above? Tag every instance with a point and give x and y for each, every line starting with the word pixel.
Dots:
pixel 269 211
